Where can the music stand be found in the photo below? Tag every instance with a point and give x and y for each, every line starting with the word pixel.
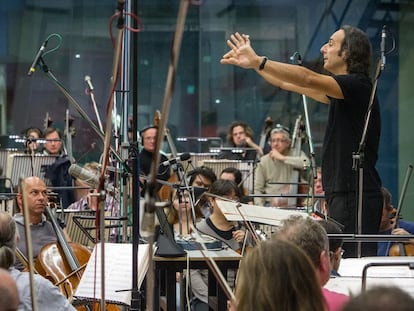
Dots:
pixel 30 165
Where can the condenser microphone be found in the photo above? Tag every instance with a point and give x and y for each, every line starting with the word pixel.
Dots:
pixel 383 38
pixel 38 56
pixel 84 175
pixel 183 157
pixel 89 83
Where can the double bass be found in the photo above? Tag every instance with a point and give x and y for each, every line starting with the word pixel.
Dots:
pixel 296 148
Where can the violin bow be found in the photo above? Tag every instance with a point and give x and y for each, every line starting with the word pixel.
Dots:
pixel 149 213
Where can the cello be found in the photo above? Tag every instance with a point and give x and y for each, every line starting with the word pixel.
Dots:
pixel 63 262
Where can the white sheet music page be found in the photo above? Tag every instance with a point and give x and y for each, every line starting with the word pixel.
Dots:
pixel 118 273
pixel 351 270
pixel 265 215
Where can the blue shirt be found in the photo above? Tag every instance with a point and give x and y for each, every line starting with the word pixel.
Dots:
pixel 384 246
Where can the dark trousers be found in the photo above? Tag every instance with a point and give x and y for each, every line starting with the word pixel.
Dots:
pixel 343 208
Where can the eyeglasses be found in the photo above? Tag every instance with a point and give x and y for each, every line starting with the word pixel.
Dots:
pixel 278 140
pixel 280 127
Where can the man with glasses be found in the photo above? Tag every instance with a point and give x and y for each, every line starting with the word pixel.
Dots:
pixel 275 170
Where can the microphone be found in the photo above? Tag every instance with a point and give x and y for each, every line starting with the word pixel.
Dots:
pixel 89 83
pixel 87 177
pixel 38 56
pixel 383 37
pixel 183 157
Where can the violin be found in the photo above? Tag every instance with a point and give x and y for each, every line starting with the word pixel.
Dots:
pixel 399 248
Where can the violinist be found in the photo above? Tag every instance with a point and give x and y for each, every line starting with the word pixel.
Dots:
pixel 201 179
pixel 387 225
pixel 277 167
pixel 48 296
pixel 41 229
pixel 217 226
pixel 149 141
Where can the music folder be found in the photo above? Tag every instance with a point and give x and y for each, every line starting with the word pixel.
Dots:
pixel 265 215
pixel 118 273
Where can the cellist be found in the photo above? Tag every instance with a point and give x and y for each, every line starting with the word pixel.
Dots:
pixel 41 229
pixel 48 296
pixel 388 222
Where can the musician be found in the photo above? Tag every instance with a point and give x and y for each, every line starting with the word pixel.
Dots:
pixel 277 167
pixel 53 144
pixel 277 275
pixel 388 223
pixel 234 174
pixel 240 135
pixel 89 201
pixel 149 142
pixel 311 237
pixel 9 295
pixel 41 229
pixel 32 134
pixel 201 179
pixel 48 296
pixel 57 173
pixel 335 245
pixel 347 89
pixel 218 227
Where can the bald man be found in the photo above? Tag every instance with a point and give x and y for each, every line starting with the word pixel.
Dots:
pixel 41 229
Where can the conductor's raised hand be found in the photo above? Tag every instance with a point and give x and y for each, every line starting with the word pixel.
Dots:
pixel 241 53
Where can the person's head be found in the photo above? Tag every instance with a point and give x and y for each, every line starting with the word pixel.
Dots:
pixel 277 275
pixel 7 240
pixel 36 193
pixel 384 298
pixel 9 294
pixel 388 210
pixel 53 144
pixel 223 188
pixel 280 139
pixel 335 244
pixel 231 173
pixel 149 137
pixel 311 237
pixel 347 51
pixel 32 134
pixel 237 133
pixel 202 177
pixel 181 203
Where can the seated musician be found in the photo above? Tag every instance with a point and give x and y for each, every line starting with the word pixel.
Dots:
pixel 32 135
pixel 234 174
pixel 41 229
pixel 89 201
pixel 278 167
pixel 57 173
pixel 48 296
pixel 387 225
pixel 217 226
pixel 201 179
pixel 149 140
pixel 240 135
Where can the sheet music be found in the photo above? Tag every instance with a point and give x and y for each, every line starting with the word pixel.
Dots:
pixel 118 273
pixel 254 213
pixel 351 269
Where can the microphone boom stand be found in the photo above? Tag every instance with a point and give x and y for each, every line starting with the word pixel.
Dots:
pixel 358 157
